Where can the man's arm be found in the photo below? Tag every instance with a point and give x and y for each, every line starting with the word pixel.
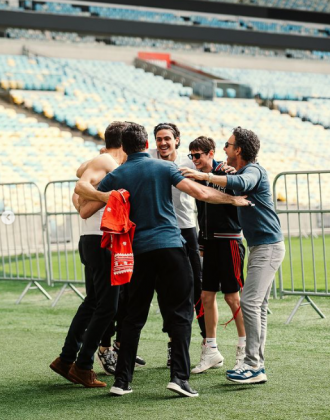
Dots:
pixel 75 201
pixel 203 176
pixel 88 208
pixel 82 169
pixel 210 195
pixel 242 182
pixel 97 168
pixel 88 192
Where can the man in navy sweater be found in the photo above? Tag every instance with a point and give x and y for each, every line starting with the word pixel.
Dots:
pixel 262 230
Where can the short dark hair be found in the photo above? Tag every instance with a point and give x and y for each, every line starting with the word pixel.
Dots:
pixel 249 143
pixel 168 126
pixel 134 138
pixel 202 143
pixel 113 133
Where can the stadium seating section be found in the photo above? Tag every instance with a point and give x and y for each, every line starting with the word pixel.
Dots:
pixel 87 95
pixel 123 41
pixel 310 5
pixel 277 84
pixel 186 18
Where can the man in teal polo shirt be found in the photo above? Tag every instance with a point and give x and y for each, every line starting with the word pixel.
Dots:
pixel 158 253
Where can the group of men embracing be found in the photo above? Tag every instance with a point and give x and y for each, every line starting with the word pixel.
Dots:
pixel 233 199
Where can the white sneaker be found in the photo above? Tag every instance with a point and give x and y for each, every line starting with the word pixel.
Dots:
pixel 210 357
pixel 240 355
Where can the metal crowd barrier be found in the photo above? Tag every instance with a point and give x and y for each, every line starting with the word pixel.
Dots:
pixel 302 201
pixel 63 229
pixel 22 239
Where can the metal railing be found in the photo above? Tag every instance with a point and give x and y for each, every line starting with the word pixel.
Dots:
pixel 302 201
pixel 63 232
pixel 22 239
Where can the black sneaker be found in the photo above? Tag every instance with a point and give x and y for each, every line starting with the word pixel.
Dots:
pixel 169 354
pixel 181 387
pixel 120 388
pixel 107 361
pixel 138 361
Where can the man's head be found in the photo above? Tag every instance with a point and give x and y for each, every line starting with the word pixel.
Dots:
pixel 242 147
pixel 113 133
pixel 134 138
pixel 202 152
pixel 167 136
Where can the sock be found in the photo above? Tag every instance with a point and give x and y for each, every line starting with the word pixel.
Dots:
pixel 241 341
pixel 211 342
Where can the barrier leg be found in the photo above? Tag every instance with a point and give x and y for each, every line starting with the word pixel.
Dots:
pixel 300 303
pixel 60 293
pixel 33 285
pixel 77 291
pixel 315 307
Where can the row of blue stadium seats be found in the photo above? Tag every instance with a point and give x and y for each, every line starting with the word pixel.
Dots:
pixel 314 5
pixel 316 111
pixel 277 84
pixel 186 18
pixel 122 41
pixel 311 5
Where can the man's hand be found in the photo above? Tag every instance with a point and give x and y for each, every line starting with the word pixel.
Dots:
pixel 240 201
pixel 228 169
pixel 192 173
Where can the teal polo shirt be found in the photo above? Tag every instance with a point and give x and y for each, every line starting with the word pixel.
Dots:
pixel 149 182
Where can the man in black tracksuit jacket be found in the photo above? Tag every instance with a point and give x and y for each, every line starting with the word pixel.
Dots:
pixel 220 241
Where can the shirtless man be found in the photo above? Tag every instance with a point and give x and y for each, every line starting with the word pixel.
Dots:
pixel 99 308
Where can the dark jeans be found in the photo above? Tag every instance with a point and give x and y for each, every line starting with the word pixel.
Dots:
pixel 169 270
pixel 190 235
pixel 98 308
pixel 116 325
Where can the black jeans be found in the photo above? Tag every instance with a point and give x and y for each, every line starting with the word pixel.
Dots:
pixel 169 270
pixel 116 325
pixel 98 308
pixel 190 235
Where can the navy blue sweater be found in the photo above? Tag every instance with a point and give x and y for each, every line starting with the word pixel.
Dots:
pixel 260 224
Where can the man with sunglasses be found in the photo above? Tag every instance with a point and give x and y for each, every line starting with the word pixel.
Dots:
pixel 220 242
pixel 262 230
pixel 167 137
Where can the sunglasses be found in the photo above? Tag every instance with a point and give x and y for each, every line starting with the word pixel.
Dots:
pixel 195 155
pixel 229 144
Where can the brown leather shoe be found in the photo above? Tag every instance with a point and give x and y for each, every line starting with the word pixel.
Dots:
pixel 85 377
pixel 62 369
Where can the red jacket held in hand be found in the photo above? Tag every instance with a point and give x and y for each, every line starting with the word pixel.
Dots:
pixel 118 234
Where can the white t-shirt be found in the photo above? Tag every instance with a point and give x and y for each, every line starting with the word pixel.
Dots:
pixel 184 205
pixel 91 226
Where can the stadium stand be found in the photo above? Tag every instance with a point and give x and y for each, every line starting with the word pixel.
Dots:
pixel 315 5
pixel 164 44
pixel 32 151
pixel 87 94
pixel 316 111
pixel 186 18
pixel 276 84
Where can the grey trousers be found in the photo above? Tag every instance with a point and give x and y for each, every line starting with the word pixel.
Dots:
pixel 263 262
